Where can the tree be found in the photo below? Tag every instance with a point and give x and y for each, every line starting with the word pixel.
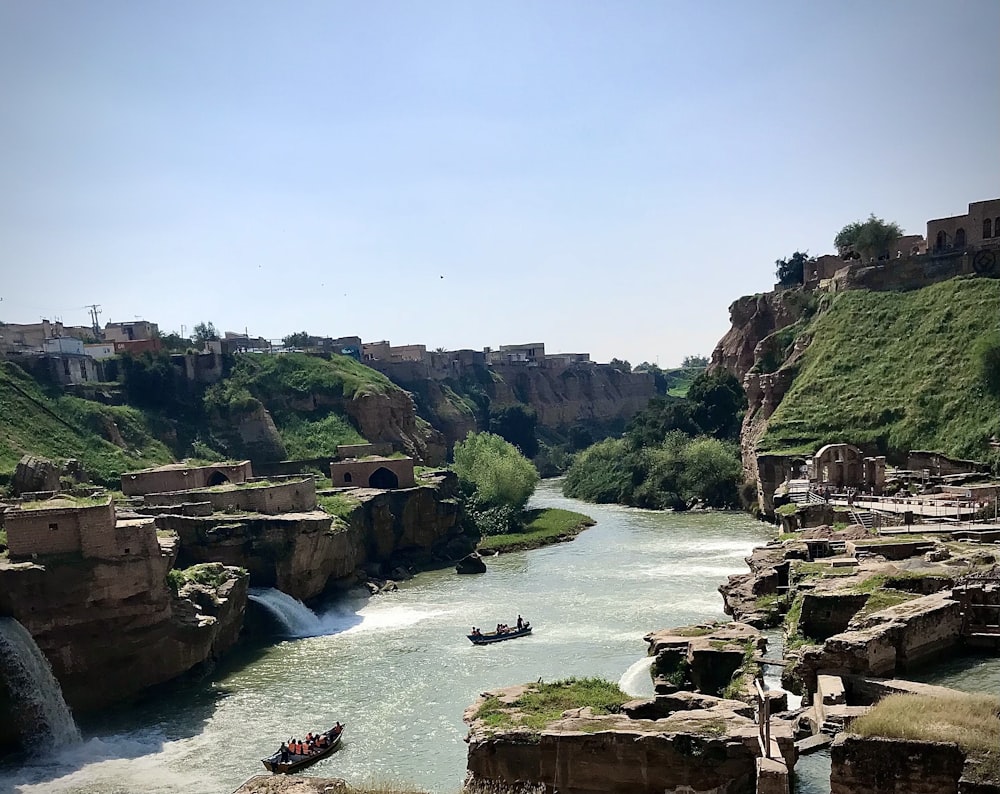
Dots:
pixel 987 358
pixel 300 340
pixel 494 471
pixel 621 364
pixel 868 239
pixel 203 332
pixel 719 404
pixel 694 362
pixel 790 271
pixel 174 343
pixel 516 424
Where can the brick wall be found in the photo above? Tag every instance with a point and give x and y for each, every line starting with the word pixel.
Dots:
pixel 358 473
pixel 169 479
pixel 291 496
pixel 57 530
pixel 866 765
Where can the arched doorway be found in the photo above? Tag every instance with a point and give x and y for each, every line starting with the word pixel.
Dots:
pixel 347 477
pixel 959 238
pixel 217 478
pixel 941 241
pixel 383 478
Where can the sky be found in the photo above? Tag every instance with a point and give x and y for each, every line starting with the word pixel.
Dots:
pixel 603 177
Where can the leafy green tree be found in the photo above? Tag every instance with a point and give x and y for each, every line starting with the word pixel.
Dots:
pixel 694 362
pixel 149 380
pixel 174 343
pixel 710 473
pixel 203 332
pixel 495 472
pixel 719 404
pixel 299 340
pixel 868 239
pixel 516 424
pixel 619 363
pixel 790 271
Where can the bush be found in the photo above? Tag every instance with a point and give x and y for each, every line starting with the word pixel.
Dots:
pixel 493 472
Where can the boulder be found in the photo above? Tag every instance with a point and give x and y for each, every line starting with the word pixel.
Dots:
pixel 473 563
pixel 35 474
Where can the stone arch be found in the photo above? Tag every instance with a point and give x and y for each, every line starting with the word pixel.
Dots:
pixel 941 241
pixel 217 478
pixel 987 227
pixel 347 477
pixel 959 237
pixel 383 478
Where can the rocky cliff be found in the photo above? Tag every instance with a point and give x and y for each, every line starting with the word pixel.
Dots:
pixel 113 627
pixel 304 554
pixel 457 401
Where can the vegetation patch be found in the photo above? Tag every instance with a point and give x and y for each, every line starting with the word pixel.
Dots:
pixel 970 721
pixel 209 574
pixel 542 527
pixel 896 371
pixel 544 703
pixel 693 631
pixel 339 505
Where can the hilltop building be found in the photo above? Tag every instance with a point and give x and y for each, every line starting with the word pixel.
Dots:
pixel 373 472
pixel 130 332
pixel 978 228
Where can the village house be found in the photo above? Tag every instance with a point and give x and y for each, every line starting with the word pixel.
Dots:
pixel 63 526
pixel 130 331
pixel 978 228
pixel 373 472
pixel 181 477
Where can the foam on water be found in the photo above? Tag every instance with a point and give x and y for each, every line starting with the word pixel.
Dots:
pixel 379 617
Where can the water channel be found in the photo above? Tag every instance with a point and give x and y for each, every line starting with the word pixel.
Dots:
pixel 398 670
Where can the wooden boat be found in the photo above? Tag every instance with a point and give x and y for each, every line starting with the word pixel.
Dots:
pixel 295 761
pixel 493 636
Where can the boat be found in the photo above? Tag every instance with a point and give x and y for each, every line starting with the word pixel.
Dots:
pixel 499 636
pixel 296 761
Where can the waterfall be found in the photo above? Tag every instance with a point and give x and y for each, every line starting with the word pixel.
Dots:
pixel 33 687
pixel 637 681
pixel 296 619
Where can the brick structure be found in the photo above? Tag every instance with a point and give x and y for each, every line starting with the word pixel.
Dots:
pixel 383 473
pixel 63 527
pixel 179 477
pixel 297 495
pixel 976 229
pixel 127 332
pixel 845 466
pixel 361 450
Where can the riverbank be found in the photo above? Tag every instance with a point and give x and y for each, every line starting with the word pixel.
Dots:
pixel 543 527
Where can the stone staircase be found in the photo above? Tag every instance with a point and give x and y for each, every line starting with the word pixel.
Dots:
pixel 798 491
pixel 863 517
pixel 832 724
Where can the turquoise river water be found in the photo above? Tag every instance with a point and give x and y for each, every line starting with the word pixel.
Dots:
pixel 399 672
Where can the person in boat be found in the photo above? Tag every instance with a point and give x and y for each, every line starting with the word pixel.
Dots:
pixel 520 623
pixel 283 750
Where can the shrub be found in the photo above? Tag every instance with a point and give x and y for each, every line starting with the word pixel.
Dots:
pixel 493 472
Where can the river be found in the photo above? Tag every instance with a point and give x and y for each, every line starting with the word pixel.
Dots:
pixel 398 670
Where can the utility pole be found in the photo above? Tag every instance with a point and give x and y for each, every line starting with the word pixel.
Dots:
pixel 95 310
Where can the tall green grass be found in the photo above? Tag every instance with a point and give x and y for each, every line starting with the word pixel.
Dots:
pixel 895 371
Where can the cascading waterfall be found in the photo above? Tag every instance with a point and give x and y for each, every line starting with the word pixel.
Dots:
pixel 34 688
pixel 296 618
pixel 637 681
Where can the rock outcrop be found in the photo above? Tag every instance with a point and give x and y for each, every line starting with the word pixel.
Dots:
pixel 35 474
pixel 113 627
pixel 701 751
pixel 457 402
pixel 303 554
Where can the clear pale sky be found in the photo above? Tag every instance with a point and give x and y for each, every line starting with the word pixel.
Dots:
pixel 601 176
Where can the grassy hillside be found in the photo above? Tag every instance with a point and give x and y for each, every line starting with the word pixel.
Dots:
pixel 305 396
pixel 895 371
pixel 55 426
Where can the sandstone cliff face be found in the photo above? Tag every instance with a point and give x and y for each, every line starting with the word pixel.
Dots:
pixel 561 397
pixel 392 417
pixel 111 628
pixel 754 318
pixel 303 554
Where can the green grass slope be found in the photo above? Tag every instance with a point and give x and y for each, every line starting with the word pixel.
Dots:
pixel 60 427
pixel 305 396
pixel 895 371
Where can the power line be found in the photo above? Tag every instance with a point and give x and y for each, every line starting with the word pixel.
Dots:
pixel 95 310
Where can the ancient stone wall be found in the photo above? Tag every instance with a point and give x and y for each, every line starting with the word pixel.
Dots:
pixel 181 478
pixel 373 473
pixel 292 496
pixel 825 614
pixel 58 530
pixel 869 765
